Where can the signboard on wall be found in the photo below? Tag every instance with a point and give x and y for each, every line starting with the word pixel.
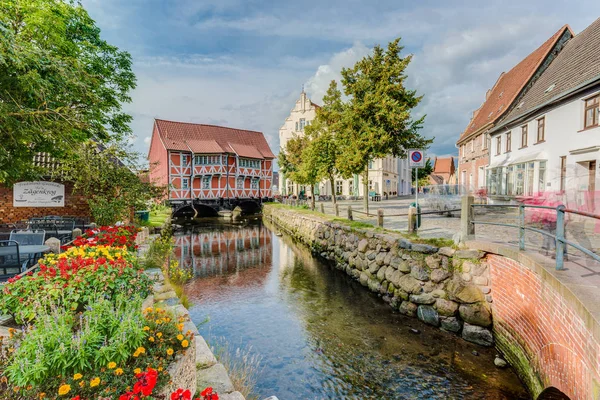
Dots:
pixel 38 194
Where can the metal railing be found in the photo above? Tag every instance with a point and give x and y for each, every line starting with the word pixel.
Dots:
pixel 559 236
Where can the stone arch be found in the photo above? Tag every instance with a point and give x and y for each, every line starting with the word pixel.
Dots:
pixel 552 393
pixel 249 207
pixel 194 211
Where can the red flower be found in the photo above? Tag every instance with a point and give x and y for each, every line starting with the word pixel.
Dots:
pixel 76 398
pixel 146 382
pixel 207 394
pixel 129 396
pixel 181 394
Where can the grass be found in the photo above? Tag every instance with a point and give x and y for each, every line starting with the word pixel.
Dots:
pixel 242 364
pixel 159 215
pixel 437 242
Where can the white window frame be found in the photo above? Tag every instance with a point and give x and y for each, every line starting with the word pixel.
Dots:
pixel 185 183
pixel 206 182
pixel 240 183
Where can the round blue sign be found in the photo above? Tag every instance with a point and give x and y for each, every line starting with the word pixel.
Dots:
pixel 416 156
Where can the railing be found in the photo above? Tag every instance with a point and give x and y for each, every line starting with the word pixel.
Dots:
pixel 559 236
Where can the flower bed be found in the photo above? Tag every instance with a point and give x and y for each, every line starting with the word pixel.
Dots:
pixel 86 336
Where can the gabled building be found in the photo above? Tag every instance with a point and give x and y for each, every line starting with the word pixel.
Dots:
pixel 444 171
pixel 549 142
pixel 387 176
pixel 474 142
pixel 208 162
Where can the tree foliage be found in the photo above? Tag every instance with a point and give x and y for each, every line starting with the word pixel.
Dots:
pixel 60 83
pixel 106 175
pixel 423 172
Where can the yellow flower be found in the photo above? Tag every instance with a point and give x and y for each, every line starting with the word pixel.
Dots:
pixel 151 338
pixel 141 350
pixel 170 352
pixel 81 383
pixel 77 377
pixel 42 395
pixel 118 371
pixel 64 389
pixel 180 327
pixel 180 337
pixel 94 382
pixel 159 334
pixel 112 365
pixel 146 328
pixel 185 343
pixel 137 371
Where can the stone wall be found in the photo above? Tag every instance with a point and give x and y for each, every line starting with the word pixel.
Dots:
pixel 443 287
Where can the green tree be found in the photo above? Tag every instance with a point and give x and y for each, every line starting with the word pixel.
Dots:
pixel 322 151
pixel 377 118
pixel 106 175
pixel 423 172
pixel 295 162
pixel 60 84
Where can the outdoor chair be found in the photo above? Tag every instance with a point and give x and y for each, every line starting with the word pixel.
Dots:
pixel 64 228
pixel 47 225
pixel 10 260
pixel 28 238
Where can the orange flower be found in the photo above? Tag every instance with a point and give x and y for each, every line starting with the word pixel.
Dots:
pixel 185 343
pixel 64 389
pixel 170 352
pixel 94 382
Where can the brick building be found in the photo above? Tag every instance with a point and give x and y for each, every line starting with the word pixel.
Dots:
pixel 474 141
pixel 444 171
pixel 208 162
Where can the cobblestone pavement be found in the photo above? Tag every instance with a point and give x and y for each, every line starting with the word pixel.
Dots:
pixel 583 231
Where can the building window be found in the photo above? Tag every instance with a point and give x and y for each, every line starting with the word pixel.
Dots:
pixel 339 186
pixel 185 183
pixel 498 145
pixel 508 142
pixel 370 164
pixel 563 173
pixel 254 183
pixel 592 109
pixel 484 141
pixel 240 183
pixel 184 160
pixel 541 134
pixel 524 136
pixel 296 125
pixel 290 188
pixel 206 182
pixel 246 163
pixel 370 185
pixel 351 187
pixel 530 170
pixel 207 160
pixel 302 124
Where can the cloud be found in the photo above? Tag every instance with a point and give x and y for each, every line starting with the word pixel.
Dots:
pixel 148 139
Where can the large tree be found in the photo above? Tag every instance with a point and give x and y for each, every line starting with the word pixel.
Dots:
pixel 322 150
pixel 107 176
pixel 377 118
pixel 296 166
pixel 60 83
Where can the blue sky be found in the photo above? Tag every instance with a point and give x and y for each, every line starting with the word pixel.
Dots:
pixel 242 63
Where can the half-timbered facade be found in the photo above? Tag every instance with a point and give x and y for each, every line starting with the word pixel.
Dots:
pixel 207 162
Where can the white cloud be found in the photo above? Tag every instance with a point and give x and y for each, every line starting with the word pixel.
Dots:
pixel 147 139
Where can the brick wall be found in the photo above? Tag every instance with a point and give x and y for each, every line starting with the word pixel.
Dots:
pixel 472 160
pixel 75 205
pixel 543 331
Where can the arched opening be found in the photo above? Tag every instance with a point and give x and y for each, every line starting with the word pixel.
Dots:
pixel 205 211
pixel 197 211
pixel 249 207
pixel 552 393
pixel 184 212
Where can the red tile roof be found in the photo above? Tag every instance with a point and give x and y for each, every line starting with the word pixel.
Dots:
pixel 509 85
pixel 199 138
pixel 443 165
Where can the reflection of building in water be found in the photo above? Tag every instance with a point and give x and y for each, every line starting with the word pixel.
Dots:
pixel 218 252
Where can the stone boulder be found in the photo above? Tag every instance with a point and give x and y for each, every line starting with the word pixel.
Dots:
pixel 450 324
pixel 409 284
pixel 476 314
pixel 362 245
pixel 428 315
pixel 424 248
pixel 419 272
pixel 478 335
pixel 438 275
pixel 446 307
pixel 408 308
pixel 381 273
pixel 463 292
pixel 468 254
pixel 423 298
pixel 446 251
pixel 432 262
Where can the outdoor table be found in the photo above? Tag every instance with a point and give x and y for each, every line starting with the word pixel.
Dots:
pixel 25 251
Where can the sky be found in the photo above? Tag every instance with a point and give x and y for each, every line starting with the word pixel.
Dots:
pixel 243 63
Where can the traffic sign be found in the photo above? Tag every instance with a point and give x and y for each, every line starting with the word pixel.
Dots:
pixel 416 158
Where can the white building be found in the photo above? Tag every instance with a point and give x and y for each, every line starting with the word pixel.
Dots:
pixel 550 142
pixel 385 174
pixel 404 177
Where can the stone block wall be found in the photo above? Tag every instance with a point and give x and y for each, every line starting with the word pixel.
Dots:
pixel 443 287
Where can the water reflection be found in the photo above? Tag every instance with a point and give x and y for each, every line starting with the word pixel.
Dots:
pixel 322 335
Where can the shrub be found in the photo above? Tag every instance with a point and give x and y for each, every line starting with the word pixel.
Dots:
pixel 73 280
pixel 117 236
pixel 99 353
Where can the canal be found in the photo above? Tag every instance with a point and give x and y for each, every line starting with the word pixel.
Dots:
pixel 319 334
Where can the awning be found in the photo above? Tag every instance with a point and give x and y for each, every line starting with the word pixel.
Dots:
pixel 508 159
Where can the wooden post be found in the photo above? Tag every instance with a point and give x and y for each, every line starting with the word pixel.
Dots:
pixel 350 213
pixel 380 217
pixel 412 219
pixel 337 210
pixel 467 228
pixel 322 208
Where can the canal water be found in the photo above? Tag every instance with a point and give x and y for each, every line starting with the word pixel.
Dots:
pixel 321 335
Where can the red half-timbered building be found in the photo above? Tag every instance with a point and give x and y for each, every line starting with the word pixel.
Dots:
pixel 208 162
